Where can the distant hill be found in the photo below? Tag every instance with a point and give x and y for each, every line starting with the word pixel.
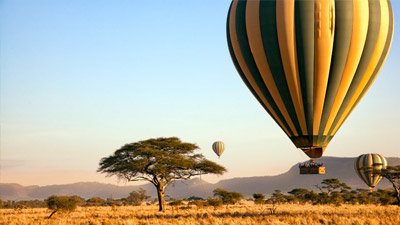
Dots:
pixel 341 168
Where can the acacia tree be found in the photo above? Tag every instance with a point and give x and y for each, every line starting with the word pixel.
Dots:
pixel 137 197
pixel 159 161
pixel 300 194
pixel 228 197
pixel 277 197
pixel 332 184
pixel 392 174
pixel 62 203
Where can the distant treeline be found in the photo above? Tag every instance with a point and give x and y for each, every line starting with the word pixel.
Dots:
pixel 330 191
pixel 134 198
pixel 358 196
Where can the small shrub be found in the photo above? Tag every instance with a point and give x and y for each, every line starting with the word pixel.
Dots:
pixel 197 203
pixel 136 197
pixel 176 203
pixel 259 198
pixel 214 202
pixel 95 201
pixel 192 198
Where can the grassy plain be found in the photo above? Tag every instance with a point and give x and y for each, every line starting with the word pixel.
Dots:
pixel 244 213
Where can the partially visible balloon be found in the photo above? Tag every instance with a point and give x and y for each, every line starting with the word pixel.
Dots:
pixel 218 147
pixel 376 162
pixel 309 62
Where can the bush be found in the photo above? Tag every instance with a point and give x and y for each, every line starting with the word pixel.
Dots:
pixel 136 197
pixel 194 198
pixel 216 202
pixel 175 203
pixel 259 198
pixel 197 203
pixel 95 201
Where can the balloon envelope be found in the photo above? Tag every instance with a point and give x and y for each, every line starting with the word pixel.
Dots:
pixel 218 147
pixel 309 62
pixel 374 161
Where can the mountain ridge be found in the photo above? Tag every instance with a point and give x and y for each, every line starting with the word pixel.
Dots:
pixel 341 168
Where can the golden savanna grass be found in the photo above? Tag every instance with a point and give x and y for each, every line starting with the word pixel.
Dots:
pixel 238 214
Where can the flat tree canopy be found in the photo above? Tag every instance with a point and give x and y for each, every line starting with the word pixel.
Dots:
pixel 159 161
pixel 228 197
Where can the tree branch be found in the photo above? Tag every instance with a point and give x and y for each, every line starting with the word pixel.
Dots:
pixel 319 188
pixel 156 181
pixel 140 178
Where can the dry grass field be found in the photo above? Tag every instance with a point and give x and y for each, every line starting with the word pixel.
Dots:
pixel 238 214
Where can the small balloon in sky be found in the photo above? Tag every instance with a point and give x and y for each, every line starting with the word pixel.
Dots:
pixel 218 147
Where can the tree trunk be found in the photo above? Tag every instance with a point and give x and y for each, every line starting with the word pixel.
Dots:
pixel 396 190
pixel 52 214
pixel 397 194
pixel 160 194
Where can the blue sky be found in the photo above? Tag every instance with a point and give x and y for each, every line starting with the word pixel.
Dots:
pixel 81 78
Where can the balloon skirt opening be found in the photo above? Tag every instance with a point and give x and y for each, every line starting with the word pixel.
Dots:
pixel 314 152
pixel 312 146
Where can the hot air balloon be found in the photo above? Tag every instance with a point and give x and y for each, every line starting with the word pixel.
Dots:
pixel 218 147
pixel 363 165
pixel 309 62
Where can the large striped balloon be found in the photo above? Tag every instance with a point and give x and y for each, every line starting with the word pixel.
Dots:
pixel 376 162
pixel 218 147
pixel 309 62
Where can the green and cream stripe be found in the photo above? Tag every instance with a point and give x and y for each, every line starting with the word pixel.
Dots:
pixel 375 161
pixel 309 62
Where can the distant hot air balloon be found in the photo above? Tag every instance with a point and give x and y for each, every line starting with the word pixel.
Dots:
pixel 374 161
pixel 218 147
pixel 309 62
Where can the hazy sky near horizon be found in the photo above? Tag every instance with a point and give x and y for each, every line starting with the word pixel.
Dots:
pixel 79 79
